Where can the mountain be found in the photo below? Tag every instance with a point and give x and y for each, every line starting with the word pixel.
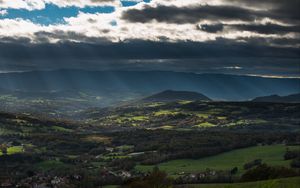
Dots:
pixel 145 83
pixel 170 95
pixel 295 98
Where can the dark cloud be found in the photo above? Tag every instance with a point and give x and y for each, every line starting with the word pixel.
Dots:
pixel 220 56
pixel 281 42
pixel 285 10
pixel 257 28
pixel 213 28
pixel 63 36
pixel 266 3
pixel 280 9
pixel 243 55
pixel 143 50
pixel 172 14
pixel 267 29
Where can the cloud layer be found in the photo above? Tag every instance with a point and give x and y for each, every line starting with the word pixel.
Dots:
pixel 157 29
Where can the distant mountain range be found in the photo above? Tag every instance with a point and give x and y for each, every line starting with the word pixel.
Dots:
pixel 215 86
pixel 170 96
pixel 295 98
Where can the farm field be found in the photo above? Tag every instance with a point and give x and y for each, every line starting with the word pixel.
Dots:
pixel 278 183
pixel 13 150
pixel 272 155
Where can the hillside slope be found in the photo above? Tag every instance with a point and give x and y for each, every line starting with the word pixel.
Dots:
pixel 295 98
pixel 170 95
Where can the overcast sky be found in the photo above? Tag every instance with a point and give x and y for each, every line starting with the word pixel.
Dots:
pixel 255 37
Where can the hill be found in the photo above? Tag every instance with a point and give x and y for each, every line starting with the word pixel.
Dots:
pixel 194 115
pixel 170 96
pixel 295 98
pixel 215 86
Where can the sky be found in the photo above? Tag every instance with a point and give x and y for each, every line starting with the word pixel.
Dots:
pixel 248 37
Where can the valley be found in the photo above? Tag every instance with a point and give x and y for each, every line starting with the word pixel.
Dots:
pixel 106 135
pixel 149 94
pixel 183 138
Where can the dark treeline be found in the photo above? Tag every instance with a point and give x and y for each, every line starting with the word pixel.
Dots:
pixel 165 145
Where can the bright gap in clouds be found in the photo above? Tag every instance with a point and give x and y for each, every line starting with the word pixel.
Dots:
pixel 53 14
pixel 128 3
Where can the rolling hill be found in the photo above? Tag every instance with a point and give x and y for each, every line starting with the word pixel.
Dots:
pixel 170 96
pixel 295 98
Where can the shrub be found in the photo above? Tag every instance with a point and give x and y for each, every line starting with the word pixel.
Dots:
pixel 291 154
pixel 295 163
pixel 251 164
pixel 234 170
pixel 265 172
pixel 155 179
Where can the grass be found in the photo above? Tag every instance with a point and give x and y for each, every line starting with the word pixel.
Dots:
pixel 165 112
pixel 202 115
pixel 157 104
pixel 13 150
pixel 278 183
pixel 4 131
pixel 272 155
pixel 139 118
pixel 205 124
pixel 61 129
pixel 50 165
pixel 98 139
pixel 184 102
pixel 221 118
pixel 115 155
pixel 167 127
pixel 125 147
pixel 248 122
pixel 8 97
pixel 121 120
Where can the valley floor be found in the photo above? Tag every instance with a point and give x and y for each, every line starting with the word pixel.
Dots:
pixel 278 183
pixel 271 155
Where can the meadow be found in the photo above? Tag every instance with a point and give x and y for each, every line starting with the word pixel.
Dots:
pixel 272 155
pixel 278 183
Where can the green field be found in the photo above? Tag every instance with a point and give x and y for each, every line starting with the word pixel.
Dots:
pixel 272 155
pixel 13 150
pixel 165 112
pixel 205 124
pixel 61 129
pixel 278 183
pixel 50 165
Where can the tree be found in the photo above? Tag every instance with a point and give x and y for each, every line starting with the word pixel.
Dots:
pixel 234 170
pixel 3 149
pixel 156 179
pixel 265 172
pixel 295 163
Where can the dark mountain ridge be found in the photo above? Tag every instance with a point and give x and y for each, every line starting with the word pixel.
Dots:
pixel 215 86
pixel 170 96
pixel 294 98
